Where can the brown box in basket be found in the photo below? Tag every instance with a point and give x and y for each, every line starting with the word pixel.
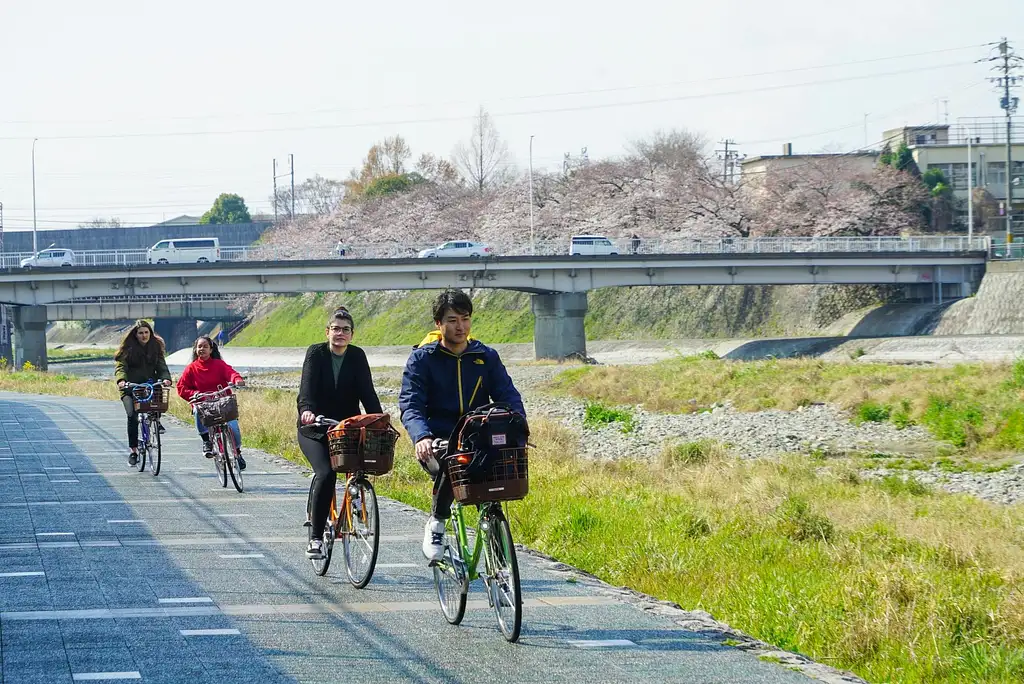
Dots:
pixel 158 403
pixel 375 456
pixel 508 480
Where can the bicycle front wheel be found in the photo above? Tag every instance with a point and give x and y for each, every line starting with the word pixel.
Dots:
pixel 360 530
pixel 503 571
pixel 154 446
pixel 232 459
pixel 450 580
pixel 220 457
pixel 143 442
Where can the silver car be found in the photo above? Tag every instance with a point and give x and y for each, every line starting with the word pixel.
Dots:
pixel 457 248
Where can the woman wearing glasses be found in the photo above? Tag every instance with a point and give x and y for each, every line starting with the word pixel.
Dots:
pixel 335 380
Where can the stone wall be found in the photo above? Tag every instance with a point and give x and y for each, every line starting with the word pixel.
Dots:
pixel 996 309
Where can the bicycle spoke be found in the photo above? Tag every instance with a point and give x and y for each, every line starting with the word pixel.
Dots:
pixel 360 532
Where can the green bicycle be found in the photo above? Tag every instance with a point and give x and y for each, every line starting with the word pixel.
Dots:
pixel 491 541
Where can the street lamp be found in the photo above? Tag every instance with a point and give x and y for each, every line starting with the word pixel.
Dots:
pixel 533 246
pixel 35 246
pixel 970 190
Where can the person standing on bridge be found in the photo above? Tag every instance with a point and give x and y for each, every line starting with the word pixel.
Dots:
pixel 447 375
pixel 335 379
pixel 208 372
pixel 140 358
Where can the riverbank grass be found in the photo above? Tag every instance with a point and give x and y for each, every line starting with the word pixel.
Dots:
pixel 893 581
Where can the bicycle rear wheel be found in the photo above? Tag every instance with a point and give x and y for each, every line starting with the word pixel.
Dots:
pixel 450 580
pixel 143 441
pixel 360 532
pixel 503 571
pixel 321 564
pixel 220 457
pixel 153 449
pixel 232 459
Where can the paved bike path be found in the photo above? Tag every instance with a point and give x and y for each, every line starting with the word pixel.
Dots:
pixel 108 574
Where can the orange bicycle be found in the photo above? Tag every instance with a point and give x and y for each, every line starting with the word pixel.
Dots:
pixel 355 521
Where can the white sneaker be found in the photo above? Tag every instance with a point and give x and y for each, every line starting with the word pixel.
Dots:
pixel 433 539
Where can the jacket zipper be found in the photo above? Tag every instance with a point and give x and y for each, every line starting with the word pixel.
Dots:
pixel 479 381
pixel 458 375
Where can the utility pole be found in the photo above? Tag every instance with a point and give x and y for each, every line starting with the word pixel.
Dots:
pixel 291 164
pixel 277 200
pixel 533 244
pixel 728 158
pixel 1007 63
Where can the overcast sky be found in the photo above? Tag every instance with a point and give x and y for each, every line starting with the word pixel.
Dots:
pixel 147 110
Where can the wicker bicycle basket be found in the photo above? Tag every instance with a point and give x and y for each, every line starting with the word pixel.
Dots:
pixel 218 411
pixel 373 454
pixel 508 479
pixel 157 403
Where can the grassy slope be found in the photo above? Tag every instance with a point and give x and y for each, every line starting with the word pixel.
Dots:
pixel 385 318
pixel 888 579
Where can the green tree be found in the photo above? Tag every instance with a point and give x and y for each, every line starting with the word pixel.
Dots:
pixel 903 160
pixel 885 158
pixel 228 208
pixel 392 183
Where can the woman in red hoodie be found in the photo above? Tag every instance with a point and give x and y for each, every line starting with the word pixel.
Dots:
pixel 207 373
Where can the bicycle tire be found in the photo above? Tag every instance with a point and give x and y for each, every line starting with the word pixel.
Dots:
pixel 154 450
pixel 232 460
pixel 320 565
pixel 142 443
pixel 449 581
pixel 504 584
pixel 219 459
pixel 366 535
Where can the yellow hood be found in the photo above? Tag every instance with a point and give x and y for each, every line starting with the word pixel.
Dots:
pixel 435 336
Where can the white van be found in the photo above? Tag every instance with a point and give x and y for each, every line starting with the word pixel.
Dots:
pixel 184 251
pixel 591 245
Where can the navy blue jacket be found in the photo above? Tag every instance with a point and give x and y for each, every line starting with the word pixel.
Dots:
pixel 438 387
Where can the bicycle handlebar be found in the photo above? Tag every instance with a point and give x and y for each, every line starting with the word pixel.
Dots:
pixel 222 392
pixel 321 420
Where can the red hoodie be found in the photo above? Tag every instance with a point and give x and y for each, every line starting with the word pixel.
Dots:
pixel 205 376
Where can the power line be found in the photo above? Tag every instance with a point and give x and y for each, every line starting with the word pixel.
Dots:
pixel 444 119
pixel 534 96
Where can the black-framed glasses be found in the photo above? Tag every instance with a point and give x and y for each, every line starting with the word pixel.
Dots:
pixel 344 329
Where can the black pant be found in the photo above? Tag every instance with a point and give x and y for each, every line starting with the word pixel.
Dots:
pixel 133 420
pixel 323 485
pixel 444 496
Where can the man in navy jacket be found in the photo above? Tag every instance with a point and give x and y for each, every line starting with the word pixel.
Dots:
pixel 446 376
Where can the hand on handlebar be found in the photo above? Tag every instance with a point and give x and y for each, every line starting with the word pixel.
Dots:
pixel 307 417
pixel 425 449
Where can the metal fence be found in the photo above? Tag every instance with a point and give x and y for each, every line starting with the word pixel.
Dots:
pixel 626 246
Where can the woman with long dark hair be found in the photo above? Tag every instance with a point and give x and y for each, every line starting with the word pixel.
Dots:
pixel 335 379
pixel 208 372
pixel 140 358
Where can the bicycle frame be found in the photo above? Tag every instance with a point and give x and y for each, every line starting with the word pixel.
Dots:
pixel 470 558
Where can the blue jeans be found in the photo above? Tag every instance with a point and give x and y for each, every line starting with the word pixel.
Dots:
pixel 232 425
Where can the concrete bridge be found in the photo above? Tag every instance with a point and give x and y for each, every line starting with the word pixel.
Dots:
pixel 927 268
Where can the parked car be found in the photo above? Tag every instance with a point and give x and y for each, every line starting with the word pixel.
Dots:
pixel 591 245
pixel 49 258
pixel 457 248
pixel 184 251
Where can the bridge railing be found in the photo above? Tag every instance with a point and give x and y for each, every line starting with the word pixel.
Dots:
pixel 625 246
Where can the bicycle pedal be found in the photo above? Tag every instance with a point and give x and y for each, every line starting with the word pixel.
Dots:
pixel 307 524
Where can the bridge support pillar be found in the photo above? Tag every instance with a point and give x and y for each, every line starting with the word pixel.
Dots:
pixel 558 330
pixel 178 333
pixel 30 336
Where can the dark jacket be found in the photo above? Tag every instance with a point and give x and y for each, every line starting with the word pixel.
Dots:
pixel 438 387
pixel 141 370
pixel 319 393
